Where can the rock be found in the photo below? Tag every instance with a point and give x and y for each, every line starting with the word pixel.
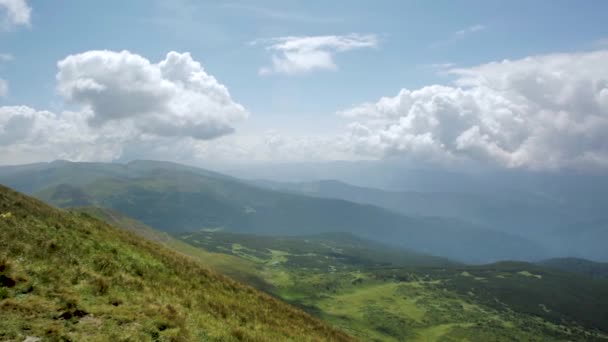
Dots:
pixel 32 339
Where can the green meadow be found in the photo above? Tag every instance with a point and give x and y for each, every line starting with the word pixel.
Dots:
pixel 392 295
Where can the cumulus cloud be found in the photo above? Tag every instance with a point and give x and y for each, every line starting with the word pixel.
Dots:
pixel 302 54
pixel 14 13
pixel 174 97
pixel 127 104
pixel 539 112
pixel 29 135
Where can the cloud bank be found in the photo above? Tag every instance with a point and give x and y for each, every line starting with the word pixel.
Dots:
pixel 14 13
pixel 541 112
pixel 298 55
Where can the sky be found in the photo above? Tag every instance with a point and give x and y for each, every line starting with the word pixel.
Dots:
pixel 519 84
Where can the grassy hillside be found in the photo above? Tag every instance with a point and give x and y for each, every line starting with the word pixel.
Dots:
pixel 68 276
pixel 235 267
pixel 315 252
pixel 381 294
pixel 558 297
pixel 172 198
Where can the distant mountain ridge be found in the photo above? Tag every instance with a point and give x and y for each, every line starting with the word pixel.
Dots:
pixel 578 265
pixel 550 222
pixel 478 208
pixel 173 197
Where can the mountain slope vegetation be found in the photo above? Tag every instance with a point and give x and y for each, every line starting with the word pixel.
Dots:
pixel 68 276
pixel 380 294
pixel 237 268
pixel 175 198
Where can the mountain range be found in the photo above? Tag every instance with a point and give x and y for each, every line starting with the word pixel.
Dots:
pixel 559 227
pixel 173 198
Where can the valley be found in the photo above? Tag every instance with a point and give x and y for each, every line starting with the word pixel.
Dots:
pixel 369 272
pixel 396 295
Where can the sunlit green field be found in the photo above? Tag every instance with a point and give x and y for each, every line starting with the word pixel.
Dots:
pixel 341 282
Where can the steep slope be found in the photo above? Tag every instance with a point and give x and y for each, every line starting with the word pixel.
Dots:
pixel 68 276
pixel 173 198
pixel 235 267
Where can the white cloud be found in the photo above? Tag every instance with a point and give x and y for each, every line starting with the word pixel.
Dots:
pixel 29 135
pixel 3 87
pixel 174 97
pixel 14 13
pixel 470 29
pixel 540 112
pixel 129 107
pixel 297 55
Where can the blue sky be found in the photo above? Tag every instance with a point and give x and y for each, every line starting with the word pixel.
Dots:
pixel 413 34
pixel 412 39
